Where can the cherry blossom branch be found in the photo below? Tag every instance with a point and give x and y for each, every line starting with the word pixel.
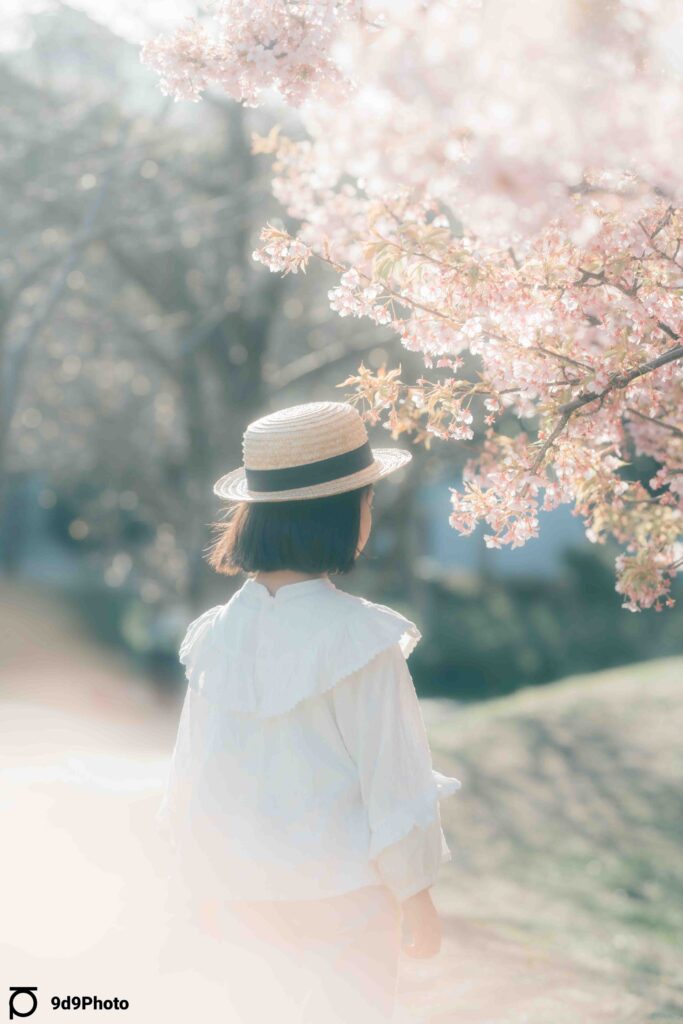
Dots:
pixel 619 381
pixel 653 419
pixel 622 380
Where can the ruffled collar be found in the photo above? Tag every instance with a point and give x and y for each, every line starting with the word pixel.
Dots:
pixel 262 653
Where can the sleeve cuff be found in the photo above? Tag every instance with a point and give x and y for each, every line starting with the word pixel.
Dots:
pixel 414 862
pixel 420 812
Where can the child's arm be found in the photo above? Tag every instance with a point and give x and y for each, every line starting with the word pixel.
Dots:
pixel 411 865
pixel 409 868
pixel 380 720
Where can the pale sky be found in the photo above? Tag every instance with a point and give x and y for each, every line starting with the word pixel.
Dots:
pixel 131 19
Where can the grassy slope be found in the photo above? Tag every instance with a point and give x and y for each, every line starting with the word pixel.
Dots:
pixel 567 833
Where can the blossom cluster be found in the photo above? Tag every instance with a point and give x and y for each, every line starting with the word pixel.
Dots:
pixel 501 188
pixel 247 48
pixel 281 253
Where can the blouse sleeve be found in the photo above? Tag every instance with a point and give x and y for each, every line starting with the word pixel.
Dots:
pixel 381 723
pixel 412 864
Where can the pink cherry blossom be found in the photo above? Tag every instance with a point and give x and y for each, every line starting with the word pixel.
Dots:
pixel 281 252
pixel 502 189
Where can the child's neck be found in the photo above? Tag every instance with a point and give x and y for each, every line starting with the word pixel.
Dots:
pixel 280 577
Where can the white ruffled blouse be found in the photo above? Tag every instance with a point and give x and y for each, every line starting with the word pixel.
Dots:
pixel 301 767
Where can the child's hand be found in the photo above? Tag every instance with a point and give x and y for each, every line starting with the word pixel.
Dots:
pixel 423 927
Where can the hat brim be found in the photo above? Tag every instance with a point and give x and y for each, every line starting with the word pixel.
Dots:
pixel 233 486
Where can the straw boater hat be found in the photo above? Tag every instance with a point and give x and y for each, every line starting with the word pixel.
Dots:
pixel 307 451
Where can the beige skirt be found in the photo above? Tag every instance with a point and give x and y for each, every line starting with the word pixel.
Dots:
pixel 325 961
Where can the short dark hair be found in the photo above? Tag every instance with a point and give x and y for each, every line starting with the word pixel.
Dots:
pixel 313 535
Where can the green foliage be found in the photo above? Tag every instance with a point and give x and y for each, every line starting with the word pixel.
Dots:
pixel 504 634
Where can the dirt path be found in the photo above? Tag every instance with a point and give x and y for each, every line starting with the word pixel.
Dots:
pixel 481 977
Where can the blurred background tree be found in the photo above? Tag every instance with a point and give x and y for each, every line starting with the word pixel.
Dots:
pixel 137 340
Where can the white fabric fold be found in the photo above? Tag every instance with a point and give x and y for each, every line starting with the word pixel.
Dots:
pixel 413 863
pixel 261 655
pixel 381 721
pixel 420 812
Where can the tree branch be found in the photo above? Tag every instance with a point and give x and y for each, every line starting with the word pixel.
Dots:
pixel 660 423
pixel 618 381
